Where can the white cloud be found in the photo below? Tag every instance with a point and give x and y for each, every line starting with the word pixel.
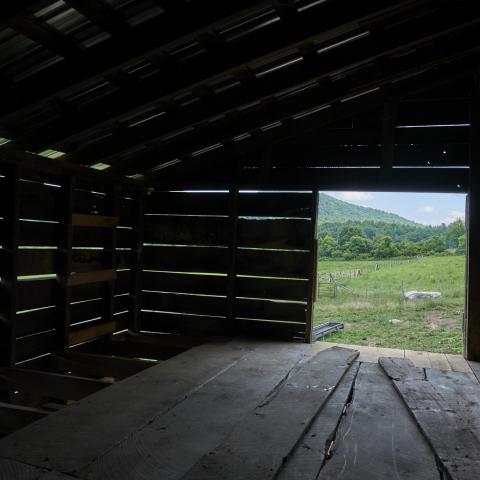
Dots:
pixel 356 196
pixel 454 215
pixel 426 209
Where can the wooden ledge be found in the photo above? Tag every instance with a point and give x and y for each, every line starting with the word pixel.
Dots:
pixel 97 276
pixel 90 333
pixel 99 221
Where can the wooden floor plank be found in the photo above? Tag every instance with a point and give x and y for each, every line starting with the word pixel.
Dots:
pixel 11 470
pixel 260 443
pixel 93 425
pixel 378 439
pixel 13 417
pixel 446 407
pixel 438 360
pixel 458 363
pixel 311 452
pixel 419 359
pixel 475 367
pixel 170 445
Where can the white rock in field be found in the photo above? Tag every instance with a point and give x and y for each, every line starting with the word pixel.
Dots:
pixel 414 295
pixel 395 320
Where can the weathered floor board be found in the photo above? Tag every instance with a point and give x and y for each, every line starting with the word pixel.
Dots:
pixel 93 425
pixel 259 444
pixel 171 444
pixel 310 453
pixel 446 406
pixel 11 470
pixel 377 439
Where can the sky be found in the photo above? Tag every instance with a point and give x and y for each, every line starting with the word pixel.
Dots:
pixel 425 208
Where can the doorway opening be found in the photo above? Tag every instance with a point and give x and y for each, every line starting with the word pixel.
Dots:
pixel 391 269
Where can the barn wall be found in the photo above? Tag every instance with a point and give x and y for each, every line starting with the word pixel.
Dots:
pixel 228 262
pixel 53 228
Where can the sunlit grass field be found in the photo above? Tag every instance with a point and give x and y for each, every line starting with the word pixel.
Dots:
pixel 374 312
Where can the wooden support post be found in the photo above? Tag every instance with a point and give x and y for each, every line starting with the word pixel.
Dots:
pixel 109 295
pixel 472 302
pixel 313 269
pixel 137 269
pixel 62 321
pixel 232 270
pixel 389 134
pixel 10 209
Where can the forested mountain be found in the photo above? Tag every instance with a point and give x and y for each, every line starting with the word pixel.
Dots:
pixel 350 231
pixel 332 210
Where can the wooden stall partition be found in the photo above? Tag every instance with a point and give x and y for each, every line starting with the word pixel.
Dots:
pixel 275 251
pixel 186 261
pixel 9 232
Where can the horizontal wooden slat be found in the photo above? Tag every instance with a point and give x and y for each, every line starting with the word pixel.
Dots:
pixel 270 329
pixel 273 204
pixel 294 234
pixel 124 259
pixel 269 310
pixel 425 155
pixel 37 261
pixel 38 234
pixel 273 263
pixel 433 111
pixel 66 387
pixel 34 345
pixel 90 333
pixel 124 282
pixel 171 302
pixel 91 237
pixel 84 260
pixel 271 288
pixel 98 221
pixel 36 293
pixel 184 283
pixel 127 211
pixel 97 276
pixel 35 321
pixel 122 303
pixel 87 310
pixel 89 203
pixel 186 259
pixel 190 324
pixel 39 201
pixel 188 203
pixel 126 238
pixel 183 230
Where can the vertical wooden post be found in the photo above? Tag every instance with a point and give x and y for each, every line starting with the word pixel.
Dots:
pixel 138 267
pixel 111 257
pixel 472 301
pixel 9 271
pixel 312 282
pixel 64 269
pixel 232 270
pixel 388 134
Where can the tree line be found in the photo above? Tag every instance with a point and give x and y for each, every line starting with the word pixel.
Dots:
pixel 367 239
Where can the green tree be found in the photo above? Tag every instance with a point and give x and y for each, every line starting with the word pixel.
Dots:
pixel 454 231
pixel 358 245
pixel 384 247
pixel 432 245
pixel 407 249
pixel 347 233
pixel 326 245
pixel 461 244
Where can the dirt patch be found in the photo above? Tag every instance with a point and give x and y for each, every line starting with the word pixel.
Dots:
pixel 435 320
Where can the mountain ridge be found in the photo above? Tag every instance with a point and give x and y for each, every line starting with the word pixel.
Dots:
pixel 333 210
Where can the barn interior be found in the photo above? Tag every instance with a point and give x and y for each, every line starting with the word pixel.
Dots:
pixel 160 162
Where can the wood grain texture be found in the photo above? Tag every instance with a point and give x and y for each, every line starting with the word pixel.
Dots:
pixel 258 445
pixel 104 419
pixel 377 439
pixel 10 470
pixel 171 444
pixel 446 407
pixel 311 451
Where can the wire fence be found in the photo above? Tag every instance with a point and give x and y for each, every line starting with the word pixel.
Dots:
pixel 329 286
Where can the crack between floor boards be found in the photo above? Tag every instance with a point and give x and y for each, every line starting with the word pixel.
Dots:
pixel 329 444
pixel 44 470
pixel 175 404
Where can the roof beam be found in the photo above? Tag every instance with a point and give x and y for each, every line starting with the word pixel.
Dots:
pixel 100 14
pixel 45 35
